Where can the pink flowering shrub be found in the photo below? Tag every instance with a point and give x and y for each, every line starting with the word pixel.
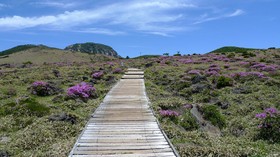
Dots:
pixel 186 61
pixel 246 74
pixel 269 124
pixel 168 113
pixel 194 72
pixel 117 71
pixel 97 75
pixel 111 64
pixel 264 67
pixel 81 90
pixel 212 73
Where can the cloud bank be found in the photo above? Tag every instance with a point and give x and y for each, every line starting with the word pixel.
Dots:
pixel 159 17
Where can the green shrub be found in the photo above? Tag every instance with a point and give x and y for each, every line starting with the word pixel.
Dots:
pixel 223 82
pixel 246 54
pixel 27 63
pixel 10 91
pixel 231 55
pixel 7 109
pixel 212 113
pixel 35 108
pixel 170 103
pixel 188 122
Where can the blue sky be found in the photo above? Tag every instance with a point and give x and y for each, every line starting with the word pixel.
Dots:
pixel 132 27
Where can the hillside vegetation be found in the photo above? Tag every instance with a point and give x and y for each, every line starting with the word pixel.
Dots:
pixel 238 94
pixel 227 49
pixel 44 109
pixel 43 55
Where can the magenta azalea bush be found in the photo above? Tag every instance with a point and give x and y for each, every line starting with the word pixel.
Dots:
pixel 82 90
pixel 168 113
pixel 117 71
pixel 194 72
pixel 269 124
pixel 264 67
pixel 246 74
pixel 97 75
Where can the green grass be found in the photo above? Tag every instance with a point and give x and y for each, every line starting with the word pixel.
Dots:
pixel 25 117
pixel 229 103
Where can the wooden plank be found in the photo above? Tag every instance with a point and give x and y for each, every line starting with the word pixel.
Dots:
pixel 117 144
pixel 121 151
pixel 163 154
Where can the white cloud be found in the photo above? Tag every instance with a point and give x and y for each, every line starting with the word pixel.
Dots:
pixel 54 4
pixel 139 15
pixel 236 13
pixel 101 31
pixel 206 18
pixel 159 17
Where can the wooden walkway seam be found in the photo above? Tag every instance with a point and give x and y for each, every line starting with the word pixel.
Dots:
pixel 124 125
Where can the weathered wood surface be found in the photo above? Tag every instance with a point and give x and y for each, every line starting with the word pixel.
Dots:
pixel 123 125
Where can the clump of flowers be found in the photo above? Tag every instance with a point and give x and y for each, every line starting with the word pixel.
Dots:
pixel 211 73
pixel 168 113
pixel 269 124
pixel 111 64
pixel 117 71
pixel 82 90
pixel 264 67
pixel 194 72
pixel 42 88
pixel 97 75
pixel 245 74
pixel 186 61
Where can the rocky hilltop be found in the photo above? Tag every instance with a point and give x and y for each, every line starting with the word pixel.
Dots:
pixel 94 48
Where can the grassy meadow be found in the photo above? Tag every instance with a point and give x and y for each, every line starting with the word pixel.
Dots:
pixel 228 89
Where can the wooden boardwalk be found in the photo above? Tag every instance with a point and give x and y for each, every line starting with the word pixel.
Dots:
pixel 124 125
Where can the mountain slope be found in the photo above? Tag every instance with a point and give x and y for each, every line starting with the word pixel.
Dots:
pixel 18 49
pixel 231 49
pixel 42 54
pixel 93 48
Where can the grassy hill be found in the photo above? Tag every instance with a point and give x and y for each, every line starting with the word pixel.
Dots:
pixel 228 49
pixel 17 49
pixel 42 54
pixel 146 56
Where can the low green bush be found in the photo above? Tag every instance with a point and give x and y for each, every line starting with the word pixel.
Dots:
pixel 212 113
pixel 223 82
pixel 188 122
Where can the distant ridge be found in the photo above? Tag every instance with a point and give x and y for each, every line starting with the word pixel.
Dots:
pixel 20 48
pixel 147 56
pixel 232 49
pixel 93 48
